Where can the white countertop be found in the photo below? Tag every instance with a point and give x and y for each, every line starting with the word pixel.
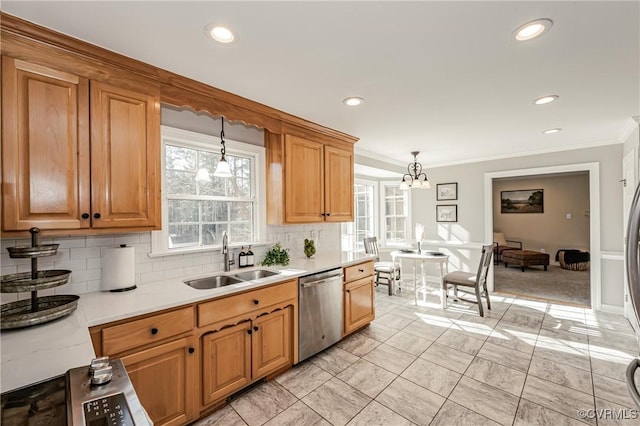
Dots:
pixel 37 353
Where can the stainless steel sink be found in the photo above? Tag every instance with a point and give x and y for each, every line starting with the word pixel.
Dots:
pixel 214 281
pixel 221 280
pixel 255 274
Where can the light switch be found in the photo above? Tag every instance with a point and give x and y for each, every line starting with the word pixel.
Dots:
pixel 568 216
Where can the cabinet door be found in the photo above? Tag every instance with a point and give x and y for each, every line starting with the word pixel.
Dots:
pixel 358 304
pixel 304 182
pixel 45 147
pixel 125 158
pixel 338 178
pixel 271 343
pixel 226 361
pixel 164 379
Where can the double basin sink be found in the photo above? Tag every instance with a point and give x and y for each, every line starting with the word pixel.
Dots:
pixel 221 280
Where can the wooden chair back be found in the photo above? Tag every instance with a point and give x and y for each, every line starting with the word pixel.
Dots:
pixel 371 246
pixel 485 263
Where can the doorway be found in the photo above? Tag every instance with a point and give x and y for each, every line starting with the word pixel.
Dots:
pixel 594 215
pixel 548 217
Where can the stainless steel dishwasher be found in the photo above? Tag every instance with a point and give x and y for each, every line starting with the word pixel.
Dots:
pixel 320 312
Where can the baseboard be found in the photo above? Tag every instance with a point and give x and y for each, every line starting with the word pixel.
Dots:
pixel 612 309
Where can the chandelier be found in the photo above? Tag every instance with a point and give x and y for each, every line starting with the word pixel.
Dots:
pixel 415 178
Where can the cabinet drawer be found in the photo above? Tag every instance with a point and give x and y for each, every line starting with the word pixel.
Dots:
pixel 146 330
pixel 228 307
pixel 358 271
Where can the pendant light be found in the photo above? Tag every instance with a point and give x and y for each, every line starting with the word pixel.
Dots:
pixel 415 178
pixel 222 169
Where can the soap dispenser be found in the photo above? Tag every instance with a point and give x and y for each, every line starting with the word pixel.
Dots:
pixel 242 258
pixel 249 257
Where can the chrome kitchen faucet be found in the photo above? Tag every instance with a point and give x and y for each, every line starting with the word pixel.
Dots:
pixel 225 250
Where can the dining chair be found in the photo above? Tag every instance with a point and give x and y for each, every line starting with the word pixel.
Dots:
pixel 468 279
pixel 387 273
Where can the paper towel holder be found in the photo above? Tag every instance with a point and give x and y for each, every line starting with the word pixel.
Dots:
pixel 117 287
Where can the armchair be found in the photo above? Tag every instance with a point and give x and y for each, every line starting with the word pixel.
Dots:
pixel 500 244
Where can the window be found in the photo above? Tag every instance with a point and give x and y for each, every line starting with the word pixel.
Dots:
pixel 394 210
pixel 197 212
pixel 365 218
pixel 395 213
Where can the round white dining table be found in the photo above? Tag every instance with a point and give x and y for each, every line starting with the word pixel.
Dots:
pixel 423 257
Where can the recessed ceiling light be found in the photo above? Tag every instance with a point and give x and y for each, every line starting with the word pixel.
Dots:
pixel 353 101
pixel 532 29
pixel 219 33
pixel 546 99
pixel 552 131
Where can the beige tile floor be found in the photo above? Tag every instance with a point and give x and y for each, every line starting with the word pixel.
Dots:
pixel 525 363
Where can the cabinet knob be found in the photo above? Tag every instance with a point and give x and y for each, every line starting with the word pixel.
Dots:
pixel 154 330
pixel 249 331
pixel 192 350
pixel 85 215
pixel 348 291
pixel 256 301
pixel 96 215
pixel 327 214
pixel 255 328
pixel 360 270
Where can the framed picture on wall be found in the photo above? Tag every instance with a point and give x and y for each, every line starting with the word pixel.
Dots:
pixel 522 201
pixel 447 191
pixel 447 213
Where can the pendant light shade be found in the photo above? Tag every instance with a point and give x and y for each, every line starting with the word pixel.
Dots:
pixel 415 178
pixel 222 169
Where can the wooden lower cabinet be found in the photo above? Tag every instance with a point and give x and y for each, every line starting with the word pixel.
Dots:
pixel 237 355
pixel 226 361
pixel 271 342
pixel 163 377
pixel 358 304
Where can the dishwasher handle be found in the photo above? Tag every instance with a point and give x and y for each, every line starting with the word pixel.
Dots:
pixel 320 282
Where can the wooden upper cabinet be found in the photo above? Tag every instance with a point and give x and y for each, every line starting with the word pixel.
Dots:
pixel 77 155
pixel 309 181
pixel 45 147
pixel 125 158
pixel 304 184
pixel 338 184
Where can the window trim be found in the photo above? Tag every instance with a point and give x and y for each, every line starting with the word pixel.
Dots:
pixel 200 141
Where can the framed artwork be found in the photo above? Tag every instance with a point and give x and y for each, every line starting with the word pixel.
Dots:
pixel 447 213
pixel 447 191
pixel 522 201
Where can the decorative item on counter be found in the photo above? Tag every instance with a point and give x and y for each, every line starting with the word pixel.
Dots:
pixel 419 235
pixel 276 256
pixel 242 258
pixel 36 310
pixel 309 247
pixel 250 261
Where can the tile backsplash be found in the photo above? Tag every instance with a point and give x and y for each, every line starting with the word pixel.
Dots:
pixel 83 256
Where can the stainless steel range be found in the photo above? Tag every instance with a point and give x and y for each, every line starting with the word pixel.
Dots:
pixel 100 394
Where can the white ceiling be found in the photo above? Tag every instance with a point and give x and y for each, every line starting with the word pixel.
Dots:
pixel 443 78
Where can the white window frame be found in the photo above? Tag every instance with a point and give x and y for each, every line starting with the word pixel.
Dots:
pixel 382 222
pixel 189 139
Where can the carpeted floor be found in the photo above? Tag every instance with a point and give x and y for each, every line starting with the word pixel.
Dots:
pixel 556 284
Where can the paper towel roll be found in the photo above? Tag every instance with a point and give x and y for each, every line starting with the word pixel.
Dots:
pixel 118 269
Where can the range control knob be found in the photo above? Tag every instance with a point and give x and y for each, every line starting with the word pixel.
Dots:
pixel 100 371
pixel 98 364
pixel 102 376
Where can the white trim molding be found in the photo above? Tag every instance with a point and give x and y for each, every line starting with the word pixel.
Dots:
pixel 594 222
